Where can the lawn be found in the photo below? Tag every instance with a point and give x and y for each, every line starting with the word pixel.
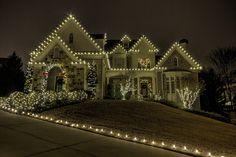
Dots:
pixel 154 121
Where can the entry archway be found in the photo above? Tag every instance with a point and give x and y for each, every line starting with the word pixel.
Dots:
pixel 55 79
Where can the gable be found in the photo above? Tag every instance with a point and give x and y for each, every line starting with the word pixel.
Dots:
pixel 125 38
pixel 174 58
pixel 82 41
pixel 119 49
pixel 143 45
pixel 55 42
pixel 184 58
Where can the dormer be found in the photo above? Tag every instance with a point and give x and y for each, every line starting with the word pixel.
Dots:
pixel 126 41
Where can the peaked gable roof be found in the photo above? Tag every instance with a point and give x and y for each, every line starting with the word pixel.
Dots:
pixel 118 47
pixel 126 37
pixel 141 39
pixel 69 18
pixel 182 51
pixel 48 45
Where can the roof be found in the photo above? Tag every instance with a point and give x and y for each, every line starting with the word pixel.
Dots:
pixel 97 36
pixel 111 44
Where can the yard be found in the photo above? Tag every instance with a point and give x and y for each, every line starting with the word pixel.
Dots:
pixel 154 121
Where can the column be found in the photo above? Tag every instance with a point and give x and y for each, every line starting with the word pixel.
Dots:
pixel 138 90
pixel 108 80
pixel 153 86
pixel 85 78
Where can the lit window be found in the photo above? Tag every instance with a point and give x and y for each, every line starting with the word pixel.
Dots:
pixel 71 38
pixel 144 63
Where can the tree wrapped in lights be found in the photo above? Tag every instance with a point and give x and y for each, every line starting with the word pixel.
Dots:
pixel 125 88
pixel 92 78
pixel 28 81
pixel 188 97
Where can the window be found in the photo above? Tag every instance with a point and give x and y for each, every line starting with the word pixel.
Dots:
pixel 71 38
pixel 119 62
pixel 167 85
pixel 172 85
pixel 144 63
pixel 176 61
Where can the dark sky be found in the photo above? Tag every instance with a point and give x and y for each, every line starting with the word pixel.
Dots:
pixel 207 24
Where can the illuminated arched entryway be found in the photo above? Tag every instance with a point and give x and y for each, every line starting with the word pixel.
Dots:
pixel 55 80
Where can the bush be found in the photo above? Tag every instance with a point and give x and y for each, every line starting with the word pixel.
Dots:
pixel 38 101
pixel 210 115
pixel 198 112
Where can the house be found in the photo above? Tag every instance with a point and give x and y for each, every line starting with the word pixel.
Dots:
pixel 62 62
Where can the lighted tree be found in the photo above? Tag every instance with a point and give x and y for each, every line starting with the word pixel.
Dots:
pixel 28 81
pixel 92 78
pixel 125 88
pixel 188 96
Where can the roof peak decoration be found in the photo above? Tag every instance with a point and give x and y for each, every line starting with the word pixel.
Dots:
pixel 50 40
pixel 116 47
pixel 183 52
pixel 70 17
pixel 126 37
pixel 143 37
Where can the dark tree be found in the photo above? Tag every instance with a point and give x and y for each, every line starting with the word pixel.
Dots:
pixel 224 63
pixel 12 75
pixel 212 98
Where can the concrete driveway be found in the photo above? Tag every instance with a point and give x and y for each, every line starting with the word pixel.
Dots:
pixel 25 137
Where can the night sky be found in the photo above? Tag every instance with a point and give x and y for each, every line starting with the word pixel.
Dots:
pixel 207 24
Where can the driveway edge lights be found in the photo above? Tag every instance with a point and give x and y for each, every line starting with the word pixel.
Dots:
pixel 118 135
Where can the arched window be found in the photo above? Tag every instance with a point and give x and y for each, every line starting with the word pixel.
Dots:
pixel 175 61
pixel 71 38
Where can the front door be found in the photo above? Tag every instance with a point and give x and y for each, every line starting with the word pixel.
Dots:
pixel 59 84
pixel 144 89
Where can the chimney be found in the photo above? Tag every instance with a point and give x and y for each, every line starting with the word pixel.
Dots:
pixel 184 43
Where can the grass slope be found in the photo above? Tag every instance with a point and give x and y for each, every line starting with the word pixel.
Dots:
pixel 154 121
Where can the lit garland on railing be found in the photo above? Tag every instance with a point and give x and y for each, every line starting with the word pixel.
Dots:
pixel 116 134
pixel 177 46
pixel 90 53
pixel 131 69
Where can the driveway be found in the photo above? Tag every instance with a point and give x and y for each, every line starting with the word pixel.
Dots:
pixel 25 137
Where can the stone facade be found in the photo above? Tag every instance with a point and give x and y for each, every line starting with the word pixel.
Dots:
pixel 61 62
